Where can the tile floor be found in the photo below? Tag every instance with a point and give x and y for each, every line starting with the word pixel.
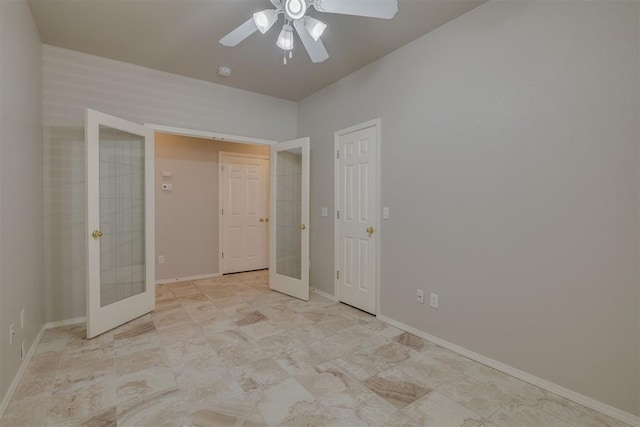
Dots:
pixel 230 352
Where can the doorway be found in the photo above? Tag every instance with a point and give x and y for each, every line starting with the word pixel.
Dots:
pixel 357 215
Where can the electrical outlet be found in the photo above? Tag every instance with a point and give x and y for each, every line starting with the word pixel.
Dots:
pixel 22 319
pixel 12 333
pixel 420 296
pixel 434 300
pixel 160 259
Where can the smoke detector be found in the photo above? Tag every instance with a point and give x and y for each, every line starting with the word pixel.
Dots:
pixel 224 71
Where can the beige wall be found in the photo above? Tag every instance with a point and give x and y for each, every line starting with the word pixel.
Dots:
pixel 510 166
pixel 74 81
pixel 20 184
pixel 187 217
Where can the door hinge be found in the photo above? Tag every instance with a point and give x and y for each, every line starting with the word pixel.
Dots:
pixel 222 213
pixel 338 154
pixel 338 274
pixel 337 214
pixel 222 255
pixel 222 168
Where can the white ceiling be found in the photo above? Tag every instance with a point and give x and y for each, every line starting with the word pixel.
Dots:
pixel 181 37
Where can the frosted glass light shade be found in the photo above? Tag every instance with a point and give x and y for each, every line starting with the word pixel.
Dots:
pixel 285 39
pixel 265 19
pixel 315 27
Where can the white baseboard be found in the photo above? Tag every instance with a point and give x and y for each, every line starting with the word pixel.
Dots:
pixel 21 370
pixel 583 400
pixel 27 359
pixel 324 294
pixel 67 322
pixel 184 279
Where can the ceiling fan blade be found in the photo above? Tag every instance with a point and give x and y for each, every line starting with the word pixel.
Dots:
pixel 385 9
pixel 239 34
pixel 315 49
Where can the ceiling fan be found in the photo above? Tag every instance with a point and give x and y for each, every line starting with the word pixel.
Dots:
pixel 309 29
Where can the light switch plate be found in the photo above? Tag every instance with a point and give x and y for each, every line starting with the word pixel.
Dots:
pixel 324 211
pixel 385 213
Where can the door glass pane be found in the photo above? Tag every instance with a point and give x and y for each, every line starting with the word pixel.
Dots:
pixel 122 218
pixel 289 213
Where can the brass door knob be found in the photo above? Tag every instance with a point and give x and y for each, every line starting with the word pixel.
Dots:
pixel 371 230
pixel 266 219
pixel 261 219
pixel 96 234
pixel 302 226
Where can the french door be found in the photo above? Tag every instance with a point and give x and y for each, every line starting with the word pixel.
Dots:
pixel 120 225
pixel 289 254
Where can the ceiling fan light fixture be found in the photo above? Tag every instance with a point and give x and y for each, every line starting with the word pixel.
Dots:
pixel 285 39
pixel 265 19
pixel 295 9
pixel 315 27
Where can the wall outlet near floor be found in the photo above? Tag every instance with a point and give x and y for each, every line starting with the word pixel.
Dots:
pixel 12 333
pixel 420 296
pixel 434 300
pixel 160 259
pixel 22 319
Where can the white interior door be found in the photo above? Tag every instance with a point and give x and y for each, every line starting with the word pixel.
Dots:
pixel 120 221
pixel 357 217
pixel 245 210
pixel 289 255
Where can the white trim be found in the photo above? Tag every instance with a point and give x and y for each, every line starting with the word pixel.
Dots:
pixel 324 294
pixel 377 123
pixel 184 279
pixel 209 135
pixel 67 322
pixel 589 402
pixel 221 154
pixel 21 370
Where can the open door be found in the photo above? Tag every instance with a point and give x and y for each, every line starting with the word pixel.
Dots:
pixel 120 221
pixel 289 254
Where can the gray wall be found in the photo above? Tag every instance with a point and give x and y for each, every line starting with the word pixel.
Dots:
pixel 187 217
pixel 510 164
pixel 74 81
pixel 20 184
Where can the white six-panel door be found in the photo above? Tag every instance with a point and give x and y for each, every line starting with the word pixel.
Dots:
pixel 357 217
pixel 245 212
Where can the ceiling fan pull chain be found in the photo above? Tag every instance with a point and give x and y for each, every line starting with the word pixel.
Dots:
pixel 284 60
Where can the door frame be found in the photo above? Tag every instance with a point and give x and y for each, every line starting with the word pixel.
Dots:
pixel 220 199
pixel 377 123
pixel 215 136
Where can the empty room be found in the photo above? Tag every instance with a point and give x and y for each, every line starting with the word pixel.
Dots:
pixel 320 213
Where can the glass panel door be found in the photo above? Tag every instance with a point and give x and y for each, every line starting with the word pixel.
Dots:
pixel 120 226
pixel 289 267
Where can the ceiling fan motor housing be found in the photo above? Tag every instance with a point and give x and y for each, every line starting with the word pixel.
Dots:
pixel 295 9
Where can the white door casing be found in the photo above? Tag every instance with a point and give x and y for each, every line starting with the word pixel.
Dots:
pixel 289 250
pixel 120 245
pixel 244 210
pixel 357 216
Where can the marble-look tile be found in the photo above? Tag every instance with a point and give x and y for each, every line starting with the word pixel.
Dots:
pixel 413 342
pixel 153 410
pixel 358 406
pixel 147 382
pixel 258 374
pixel 370 361
pixel 487 390
pixel 171 318
pixel 396 387
pixel 229 351
pixel 73 403
pixel 275 401
pixel 309 414
pixel 209 418
pixel 437 410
